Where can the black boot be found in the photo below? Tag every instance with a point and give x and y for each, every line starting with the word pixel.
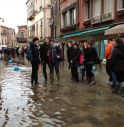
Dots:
pixel 51 77
pixel 117 87
pixel 58 76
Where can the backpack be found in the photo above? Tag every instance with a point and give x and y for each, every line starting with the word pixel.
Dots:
pixel 29 56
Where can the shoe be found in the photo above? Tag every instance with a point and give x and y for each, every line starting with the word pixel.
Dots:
pixel 115 91
pixel 92 83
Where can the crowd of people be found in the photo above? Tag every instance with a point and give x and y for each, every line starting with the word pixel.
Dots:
pixel 81 56
pixel 12 52
pixel 49 54
pixel 82 60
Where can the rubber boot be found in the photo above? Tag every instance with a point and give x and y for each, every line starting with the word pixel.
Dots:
pixel 51 77
pixel 117 87
pixel 83 77
pixel 92 81
pixel 58 76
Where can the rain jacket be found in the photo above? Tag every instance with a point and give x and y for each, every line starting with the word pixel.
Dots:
pixel 108 50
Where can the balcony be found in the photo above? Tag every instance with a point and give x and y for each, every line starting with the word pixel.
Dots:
pixel 102 18
pixel 107 16
pixel 31 15
pixel 95 20
pixel 21 40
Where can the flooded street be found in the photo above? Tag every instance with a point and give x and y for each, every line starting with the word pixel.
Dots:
pixel 61 104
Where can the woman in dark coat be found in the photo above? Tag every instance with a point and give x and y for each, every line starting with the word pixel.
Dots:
pixel 75 58
pixel 117 63
pixel 90 57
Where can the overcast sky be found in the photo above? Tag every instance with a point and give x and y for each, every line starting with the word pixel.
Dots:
pixel 13 12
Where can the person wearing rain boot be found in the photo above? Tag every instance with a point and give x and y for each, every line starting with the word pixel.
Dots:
pixel 35 60
pixel 90 59
pixel 117 65
pixel 45 57
pixel 75 59
pixel 56 58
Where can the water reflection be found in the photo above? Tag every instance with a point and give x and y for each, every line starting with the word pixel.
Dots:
pixel 63 104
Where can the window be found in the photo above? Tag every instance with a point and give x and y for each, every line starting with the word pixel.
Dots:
pixel 96 8
pixel 41 28
pixel 120 4
pixel 65 19
pixel 22 34
pixel 55 31
pixel 108 6
pixel 72 16
pixel 87 9
pixel 36 29
pixel 2 42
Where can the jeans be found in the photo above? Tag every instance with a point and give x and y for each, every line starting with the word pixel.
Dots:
pixel 109 72
pixel 55 65
pixel 74 69
pixel 34 75
pixel 44 69
pixel 89 72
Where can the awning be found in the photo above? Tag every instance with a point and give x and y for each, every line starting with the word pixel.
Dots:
pixel 88 32
pixel 94 31
pixel 71 35
pixel 119 29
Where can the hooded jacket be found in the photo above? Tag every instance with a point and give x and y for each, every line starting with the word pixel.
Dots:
pixel 35 53
pixel 44 52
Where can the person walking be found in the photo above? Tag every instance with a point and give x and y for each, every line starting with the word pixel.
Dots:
pixel 45 58
pixel 116 65
pixel 35 60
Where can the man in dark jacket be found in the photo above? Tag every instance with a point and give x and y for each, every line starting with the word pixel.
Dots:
pixel 75 58
pixel 117 63
pixel 35 60
pixel 45 57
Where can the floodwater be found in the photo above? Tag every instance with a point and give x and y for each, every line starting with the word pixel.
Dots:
pixel 61 104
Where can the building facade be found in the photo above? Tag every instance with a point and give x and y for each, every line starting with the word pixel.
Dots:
pixel 38 18
pixel 7 36
pixel 69 16
pixel 55 19
pixel 22 34
pixel 90 20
